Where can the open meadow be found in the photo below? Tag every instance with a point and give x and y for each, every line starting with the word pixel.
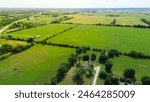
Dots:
pixel 36 65
pixel 42 31
pixel 123 39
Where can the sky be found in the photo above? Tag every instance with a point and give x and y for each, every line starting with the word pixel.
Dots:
pixel 75 3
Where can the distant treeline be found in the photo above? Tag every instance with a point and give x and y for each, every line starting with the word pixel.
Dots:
pixel 23 25
pixel 9 20
pixel 111 15
pixel 119 25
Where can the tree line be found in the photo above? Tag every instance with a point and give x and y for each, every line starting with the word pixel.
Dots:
pixel 119 25
pixel 8 20
pixel 23 25
pixel 5 48
pixel 63 69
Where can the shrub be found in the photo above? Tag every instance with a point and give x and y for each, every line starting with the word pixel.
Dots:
pixel 93 57
pixel 103 58
pixel 108 66
pixel 103 75
pixel 85 58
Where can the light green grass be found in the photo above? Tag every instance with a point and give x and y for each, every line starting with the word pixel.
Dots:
pixel 43 31
pixel 123 39
pixel 34 66
pixel 142 67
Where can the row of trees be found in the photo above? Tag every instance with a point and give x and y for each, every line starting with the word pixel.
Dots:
pixel 29 40
pixel 63 69
pixel 80 50
pixel 14 49
pixel 136 55
pixel 9 19
pixel 119 25
pixel 59 33
pixel 110 79
pixel 111 15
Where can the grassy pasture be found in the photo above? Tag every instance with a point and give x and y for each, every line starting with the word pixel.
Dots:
pixel 33 66
pixel 141 66
pixel 123 39
pixel 43 31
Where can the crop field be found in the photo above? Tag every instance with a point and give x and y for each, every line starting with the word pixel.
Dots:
pixel 123 19
pixel 123 39
pixel 43 31
pixel 37 65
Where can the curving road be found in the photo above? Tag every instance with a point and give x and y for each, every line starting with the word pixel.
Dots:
pixel 3 29
pixel 97 69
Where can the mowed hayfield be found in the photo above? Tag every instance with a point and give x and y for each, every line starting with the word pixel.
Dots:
pixel 128 19
pixel 43 31
pixel 36 65
pixel 105 37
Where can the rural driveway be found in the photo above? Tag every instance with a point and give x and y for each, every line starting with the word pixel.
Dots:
pixel 97 69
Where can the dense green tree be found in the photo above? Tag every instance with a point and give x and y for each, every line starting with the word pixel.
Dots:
pixel 85 57
pixel 72 60
pixel 108 66
pixel 103 75
pixel 78 78
pixel 130 74
pixel 103 58
pixel 93 57
pixel 114 80
pixel 78 50
pixel 30 40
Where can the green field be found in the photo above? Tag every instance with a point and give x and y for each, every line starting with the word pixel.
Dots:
pixel 123 39
pixel 38 64
pixel 40 19
pixel 34 66
pixel 43 31
pixel 141 67
pixel 123 19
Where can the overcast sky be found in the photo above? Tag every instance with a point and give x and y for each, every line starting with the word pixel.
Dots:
pixel 75 3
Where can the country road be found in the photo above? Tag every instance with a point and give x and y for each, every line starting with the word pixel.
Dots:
pixel 97 69
pixel 3 29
